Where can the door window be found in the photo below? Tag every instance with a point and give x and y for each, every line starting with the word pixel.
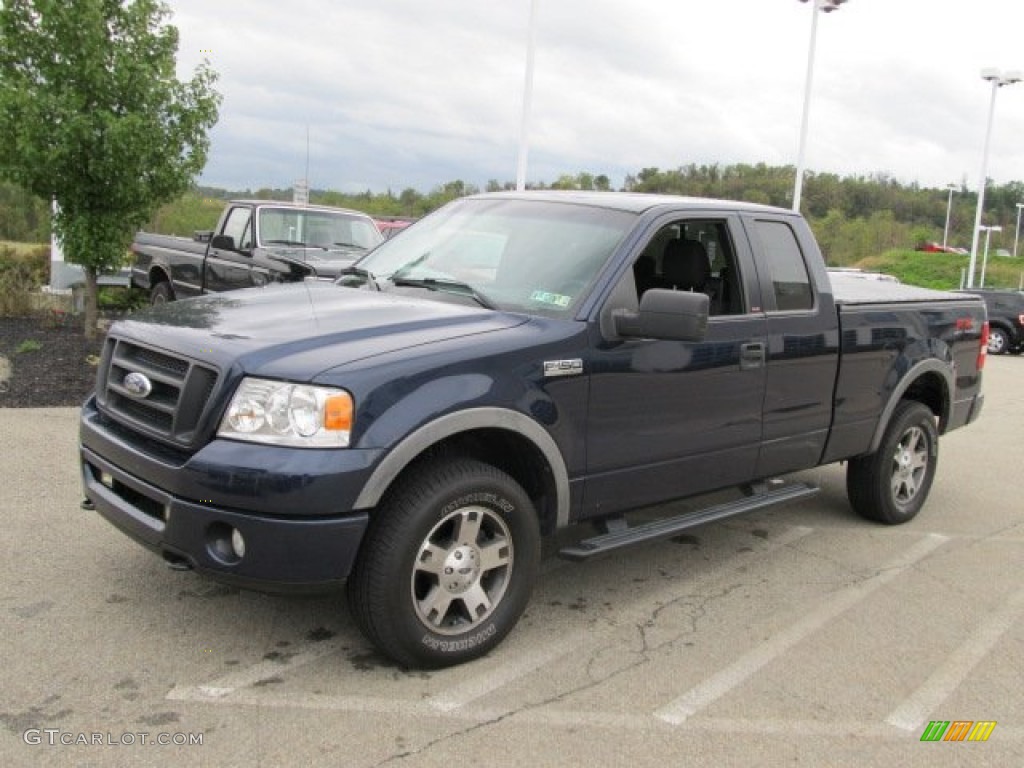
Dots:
pixel 238 227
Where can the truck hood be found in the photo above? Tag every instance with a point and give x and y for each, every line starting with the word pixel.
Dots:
pixel 327 263
pixel 282 331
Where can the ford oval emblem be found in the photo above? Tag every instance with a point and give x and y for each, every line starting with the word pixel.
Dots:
pixel 137 384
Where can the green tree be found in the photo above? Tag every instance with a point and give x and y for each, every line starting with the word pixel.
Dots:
pixel 93 116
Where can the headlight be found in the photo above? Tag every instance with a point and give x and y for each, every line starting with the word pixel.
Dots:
pixel 296 415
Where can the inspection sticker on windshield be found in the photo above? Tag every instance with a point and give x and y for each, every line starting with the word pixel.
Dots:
pixel 555 299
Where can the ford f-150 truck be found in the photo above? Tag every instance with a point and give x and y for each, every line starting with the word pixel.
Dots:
pixel 256 242
pixel 511 365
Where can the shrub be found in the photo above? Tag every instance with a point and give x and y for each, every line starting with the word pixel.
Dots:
pixel 21 274
pixel 117 299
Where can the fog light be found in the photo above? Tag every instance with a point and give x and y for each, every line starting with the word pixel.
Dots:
pixel 225 543
pixel 237 543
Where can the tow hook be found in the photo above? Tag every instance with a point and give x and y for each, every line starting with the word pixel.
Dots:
pixel 176 563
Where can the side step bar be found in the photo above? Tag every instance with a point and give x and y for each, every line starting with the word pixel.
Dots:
pixel 621 536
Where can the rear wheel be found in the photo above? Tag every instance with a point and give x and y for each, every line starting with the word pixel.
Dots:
pixel 892 484
pixel 161 293
pixel 998 341
pixel 447 565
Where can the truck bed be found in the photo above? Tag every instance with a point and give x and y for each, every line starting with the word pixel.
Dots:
pixel 851 291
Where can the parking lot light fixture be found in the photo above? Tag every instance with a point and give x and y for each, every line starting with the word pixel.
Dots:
pixel 984 261
pixel 998 79
pixel 825 6
pixel 951 188
pixel 1016 232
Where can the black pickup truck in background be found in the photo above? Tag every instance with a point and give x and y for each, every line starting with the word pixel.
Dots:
pixel 256 243
pixel 514 364
pixel 1005 319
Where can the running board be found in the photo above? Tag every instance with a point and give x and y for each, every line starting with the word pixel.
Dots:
pixel 659 529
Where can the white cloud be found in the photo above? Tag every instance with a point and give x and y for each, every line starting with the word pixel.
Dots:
pixel 403 93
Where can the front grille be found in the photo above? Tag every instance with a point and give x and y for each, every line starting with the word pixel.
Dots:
pixel 181 390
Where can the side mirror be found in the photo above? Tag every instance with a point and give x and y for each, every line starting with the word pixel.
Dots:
pixel 664 314
pixel 222 243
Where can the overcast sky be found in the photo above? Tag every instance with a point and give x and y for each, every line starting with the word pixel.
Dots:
pixel 415 93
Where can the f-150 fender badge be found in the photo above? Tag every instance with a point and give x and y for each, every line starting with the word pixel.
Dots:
pixel 563 367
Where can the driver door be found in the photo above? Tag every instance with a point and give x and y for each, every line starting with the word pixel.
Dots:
pixel 667 418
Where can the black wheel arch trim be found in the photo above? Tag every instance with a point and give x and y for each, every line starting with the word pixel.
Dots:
pixel 909 379
pixel 414 444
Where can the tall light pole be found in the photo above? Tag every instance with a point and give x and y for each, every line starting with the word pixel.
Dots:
pixel 1016 232
pixel 524 126
pixel 998 80
pixel 826 6
pixel 949 208
pixel 984 261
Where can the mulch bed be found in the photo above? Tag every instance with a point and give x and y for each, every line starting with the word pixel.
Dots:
pixel 48 363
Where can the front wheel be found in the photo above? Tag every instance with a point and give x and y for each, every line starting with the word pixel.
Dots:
pixel 161 293
pixel 891 484
pixel 447 565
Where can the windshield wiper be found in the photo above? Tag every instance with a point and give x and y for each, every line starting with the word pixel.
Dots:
pixel 371 280
pixel 350 245
pixel 293 243
pixel 456 287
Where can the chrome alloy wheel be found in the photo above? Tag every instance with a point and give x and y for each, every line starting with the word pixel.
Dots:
pixel 909 465
pixel 462 570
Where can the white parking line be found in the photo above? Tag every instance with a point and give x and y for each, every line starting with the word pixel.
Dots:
pixel 243 678
pixel 712 689
pixel 522 664
pixel 913 713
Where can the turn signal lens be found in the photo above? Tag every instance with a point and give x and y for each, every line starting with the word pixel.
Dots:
pixel 281 413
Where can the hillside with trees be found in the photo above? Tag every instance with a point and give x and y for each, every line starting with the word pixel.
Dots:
pixel 870 221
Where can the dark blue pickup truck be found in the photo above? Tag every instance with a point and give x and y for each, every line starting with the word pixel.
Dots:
pixel 510 365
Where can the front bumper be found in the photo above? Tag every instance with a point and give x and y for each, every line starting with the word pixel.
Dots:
pixel 291 507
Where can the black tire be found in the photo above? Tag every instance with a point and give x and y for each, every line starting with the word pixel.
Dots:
pixel 161 293
pixel 447 565
pixel 891 485
pixel 998 341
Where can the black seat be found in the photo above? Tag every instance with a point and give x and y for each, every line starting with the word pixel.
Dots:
pixel 685 267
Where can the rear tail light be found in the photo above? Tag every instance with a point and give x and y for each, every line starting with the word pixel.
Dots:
pixel 983 349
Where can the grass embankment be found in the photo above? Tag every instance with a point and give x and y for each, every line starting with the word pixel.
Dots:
pixel 944 270
pixel 21 248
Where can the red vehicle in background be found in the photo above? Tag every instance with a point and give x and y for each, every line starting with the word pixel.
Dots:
pixel 391 225
pixel 929 247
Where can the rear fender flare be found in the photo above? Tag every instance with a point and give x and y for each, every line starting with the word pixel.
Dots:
pixel 916 371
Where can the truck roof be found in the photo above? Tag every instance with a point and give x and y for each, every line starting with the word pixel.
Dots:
pixel 297 206
pixel 635 202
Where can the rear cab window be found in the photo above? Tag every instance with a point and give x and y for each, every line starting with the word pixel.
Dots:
pixel 787 270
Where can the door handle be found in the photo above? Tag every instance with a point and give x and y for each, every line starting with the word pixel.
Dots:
pixel 751 355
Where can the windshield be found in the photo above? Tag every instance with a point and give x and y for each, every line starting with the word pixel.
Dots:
pixel 318 229
pixel 530 255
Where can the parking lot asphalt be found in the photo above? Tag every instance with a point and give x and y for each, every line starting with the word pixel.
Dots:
pixel 802 635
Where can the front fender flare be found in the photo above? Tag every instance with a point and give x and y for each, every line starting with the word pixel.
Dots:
pixel 450 424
